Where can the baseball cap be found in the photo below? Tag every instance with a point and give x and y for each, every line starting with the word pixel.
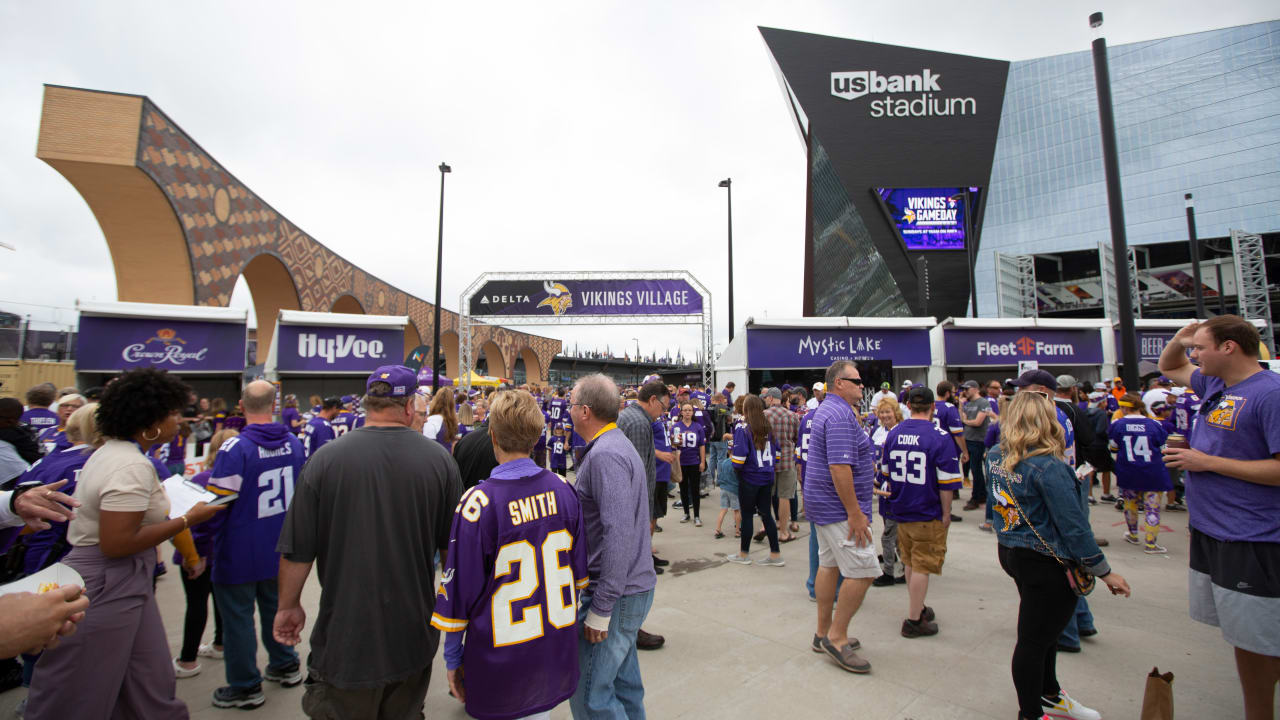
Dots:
pixel 773 393
pixel 348 398
pixel 1159 406
pixel 1094 396
pixel 969 384
pixel 1117 379
pixel 1099 386
pixel 1164 380
pixel 883 385
pixel 1065 380
pixel 332 402
pixel 403 381
pixel 906 383
pixel 823 386
pixel 1036 377
pixel 919 393
pixel 786 386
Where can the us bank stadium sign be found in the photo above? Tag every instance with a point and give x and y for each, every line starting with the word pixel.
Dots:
pixel 556 298
pixel 853 84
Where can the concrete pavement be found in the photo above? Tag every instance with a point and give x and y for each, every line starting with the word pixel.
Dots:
pixel 738 639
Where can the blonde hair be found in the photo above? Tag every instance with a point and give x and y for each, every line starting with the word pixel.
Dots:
pixel 215 443
pixel 465 416
pixel 515 422
pixel 892 404
pixel 1029 427
pixel 82 426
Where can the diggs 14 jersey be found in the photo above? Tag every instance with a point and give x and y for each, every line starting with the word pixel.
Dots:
pixel 516 562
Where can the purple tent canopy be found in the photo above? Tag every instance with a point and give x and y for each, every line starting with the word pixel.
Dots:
pixel 425 377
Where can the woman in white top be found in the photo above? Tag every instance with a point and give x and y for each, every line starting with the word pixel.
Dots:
pixel 118 664
pixel 888 415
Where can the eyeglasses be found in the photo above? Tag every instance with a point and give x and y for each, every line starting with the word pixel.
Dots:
pixel 855 381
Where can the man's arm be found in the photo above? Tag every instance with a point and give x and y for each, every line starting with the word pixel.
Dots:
pixel 290 617
pixel 1258 472
pixel 1173 359
pixel 616 549
pixel 859 524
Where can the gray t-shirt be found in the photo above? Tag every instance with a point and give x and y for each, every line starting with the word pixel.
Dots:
pixel 372 508
pixel 970 409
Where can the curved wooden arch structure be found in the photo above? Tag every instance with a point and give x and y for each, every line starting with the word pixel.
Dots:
pixel 181 229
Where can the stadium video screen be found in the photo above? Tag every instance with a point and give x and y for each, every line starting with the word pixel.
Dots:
pixel 928 218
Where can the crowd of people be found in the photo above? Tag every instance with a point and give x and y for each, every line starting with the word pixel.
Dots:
pixel 520 523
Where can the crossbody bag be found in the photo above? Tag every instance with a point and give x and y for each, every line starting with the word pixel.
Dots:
pixel 1079 577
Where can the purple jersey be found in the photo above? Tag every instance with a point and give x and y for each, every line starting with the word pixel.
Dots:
pixel 947 418
pixel 1136 442
pixel 317 432
pixel 993 435
pixel 542 437
pixel 344 423
pixel 1240 422
pixel 559 448
pixel 558 409
pixel 292 419
pixel 172 452
pixel 54 439
pixel 920 461
pixel 802 441
pixel 39 419
pixel 260 464
pixel 689 438
pixel 755 466
pixel 995 404
pixel 517 560
pixel 1185 408
pixel 45 547
pixel 662 443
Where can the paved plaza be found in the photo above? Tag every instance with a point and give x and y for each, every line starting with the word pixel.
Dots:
pixel 738 639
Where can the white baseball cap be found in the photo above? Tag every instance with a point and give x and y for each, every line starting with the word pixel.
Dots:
pixel 906 383
pixel 820 386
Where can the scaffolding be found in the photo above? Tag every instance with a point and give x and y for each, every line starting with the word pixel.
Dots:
pixel 1106 262
pixel 1016 286
pixel 1252 292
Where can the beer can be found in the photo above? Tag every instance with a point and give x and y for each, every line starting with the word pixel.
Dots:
pixel 1177 440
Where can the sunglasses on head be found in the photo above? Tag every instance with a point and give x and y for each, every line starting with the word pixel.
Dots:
pixel 1041 393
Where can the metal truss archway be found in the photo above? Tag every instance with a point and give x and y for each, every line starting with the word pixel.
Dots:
pixel 466 322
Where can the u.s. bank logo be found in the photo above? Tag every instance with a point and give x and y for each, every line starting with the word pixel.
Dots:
pixel 849 85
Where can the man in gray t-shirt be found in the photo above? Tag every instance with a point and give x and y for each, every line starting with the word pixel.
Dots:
pixel 976 414
pixel 372 507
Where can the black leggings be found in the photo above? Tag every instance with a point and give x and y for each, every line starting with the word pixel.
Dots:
pixel 1047 604
pixel 690 489
pixel 198 592
pixel 755 499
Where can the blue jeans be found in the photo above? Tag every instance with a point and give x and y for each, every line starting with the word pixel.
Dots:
pixel 813 561
pixel 1082 619
pixel 609 684
pixel 716 451
pixel 240 649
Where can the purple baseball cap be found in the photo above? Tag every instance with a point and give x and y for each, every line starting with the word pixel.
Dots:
pixel 403 381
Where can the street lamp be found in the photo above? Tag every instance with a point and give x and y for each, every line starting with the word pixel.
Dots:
pixel 1195 254
pixel 727 184
pixel 435 341
pixel 1115 203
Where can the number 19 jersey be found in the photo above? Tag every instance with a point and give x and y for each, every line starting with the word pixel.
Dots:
pixel 516 562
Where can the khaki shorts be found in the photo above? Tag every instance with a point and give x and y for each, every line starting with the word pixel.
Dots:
pixel 923 546
pixel 836 550
pixel 786 483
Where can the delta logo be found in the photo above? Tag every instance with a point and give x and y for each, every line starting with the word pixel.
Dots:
pixel 853 84
pixel 1025 346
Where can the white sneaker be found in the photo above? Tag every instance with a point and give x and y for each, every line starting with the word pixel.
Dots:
pixel 209 651
pixel 1068 709
pixel 697 522
pixel 182 672
pixel 735 558
pixel 775 562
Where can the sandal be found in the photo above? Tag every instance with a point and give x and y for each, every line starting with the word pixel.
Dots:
pixel 794 527
pixel 787 539
pixel 719 535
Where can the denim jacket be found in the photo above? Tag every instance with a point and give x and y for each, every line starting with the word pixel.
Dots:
pixel 1054 501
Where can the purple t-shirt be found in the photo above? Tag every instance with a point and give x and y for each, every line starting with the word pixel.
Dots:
pixel 1241 422
pixel 292 419
pixel 689 438
pixel 510 583
pixel 1136 441
pixel 39 418
pixel 919 461
pixel 837 439
pixel 993 435
pixel 755 466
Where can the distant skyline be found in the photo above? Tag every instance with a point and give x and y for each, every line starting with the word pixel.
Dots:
pixel 582 135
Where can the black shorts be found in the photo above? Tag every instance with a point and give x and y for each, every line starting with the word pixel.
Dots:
pixel 660 500
pixel 1236 586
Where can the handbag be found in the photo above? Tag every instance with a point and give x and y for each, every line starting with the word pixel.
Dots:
pixel 1079 578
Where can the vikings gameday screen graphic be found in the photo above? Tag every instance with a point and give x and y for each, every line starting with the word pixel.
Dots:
pixel 928 218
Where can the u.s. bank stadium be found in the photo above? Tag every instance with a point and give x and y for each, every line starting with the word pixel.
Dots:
pixel 923 164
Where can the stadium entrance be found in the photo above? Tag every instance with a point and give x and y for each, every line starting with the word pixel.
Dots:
pixel 671 297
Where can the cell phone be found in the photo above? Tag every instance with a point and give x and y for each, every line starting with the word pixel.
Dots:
pixel 223 499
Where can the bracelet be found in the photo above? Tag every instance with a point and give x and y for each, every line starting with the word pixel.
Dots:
pixel 185 522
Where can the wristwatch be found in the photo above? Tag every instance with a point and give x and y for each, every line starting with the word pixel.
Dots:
pixel 24 487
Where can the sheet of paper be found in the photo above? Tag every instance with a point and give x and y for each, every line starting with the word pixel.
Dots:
pixel 184 494
pixel 47 579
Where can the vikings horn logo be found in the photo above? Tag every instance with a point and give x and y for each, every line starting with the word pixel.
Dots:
pixel 909 216
pixel 445 578
pixel 1005 508
pixel 559 299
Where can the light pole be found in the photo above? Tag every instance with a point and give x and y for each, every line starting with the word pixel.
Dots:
pixel 435 340
pixel 1195 254
pixel 727 184
pixel 1115 203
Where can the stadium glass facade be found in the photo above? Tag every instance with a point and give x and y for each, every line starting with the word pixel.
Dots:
pixel 1195 113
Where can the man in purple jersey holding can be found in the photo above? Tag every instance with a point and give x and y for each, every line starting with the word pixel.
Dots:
pixel 1233 494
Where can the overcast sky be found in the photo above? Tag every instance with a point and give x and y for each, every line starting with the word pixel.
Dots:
pixel 582 135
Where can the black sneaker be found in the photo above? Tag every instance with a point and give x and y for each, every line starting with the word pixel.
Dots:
pixel 288 676
pixel 884 580
pixel 956 518
pixel 928 614
pixel 918 628
pixel 660 562
pixel 243 698
pixel 1107 497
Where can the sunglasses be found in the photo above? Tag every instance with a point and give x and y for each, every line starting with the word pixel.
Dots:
pixel 1041 393
pixel 1211 403
pixel 855 381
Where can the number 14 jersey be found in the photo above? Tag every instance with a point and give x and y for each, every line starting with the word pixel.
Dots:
pixel 517 559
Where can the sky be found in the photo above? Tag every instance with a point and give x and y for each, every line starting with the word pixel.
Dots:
pixel 582 135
